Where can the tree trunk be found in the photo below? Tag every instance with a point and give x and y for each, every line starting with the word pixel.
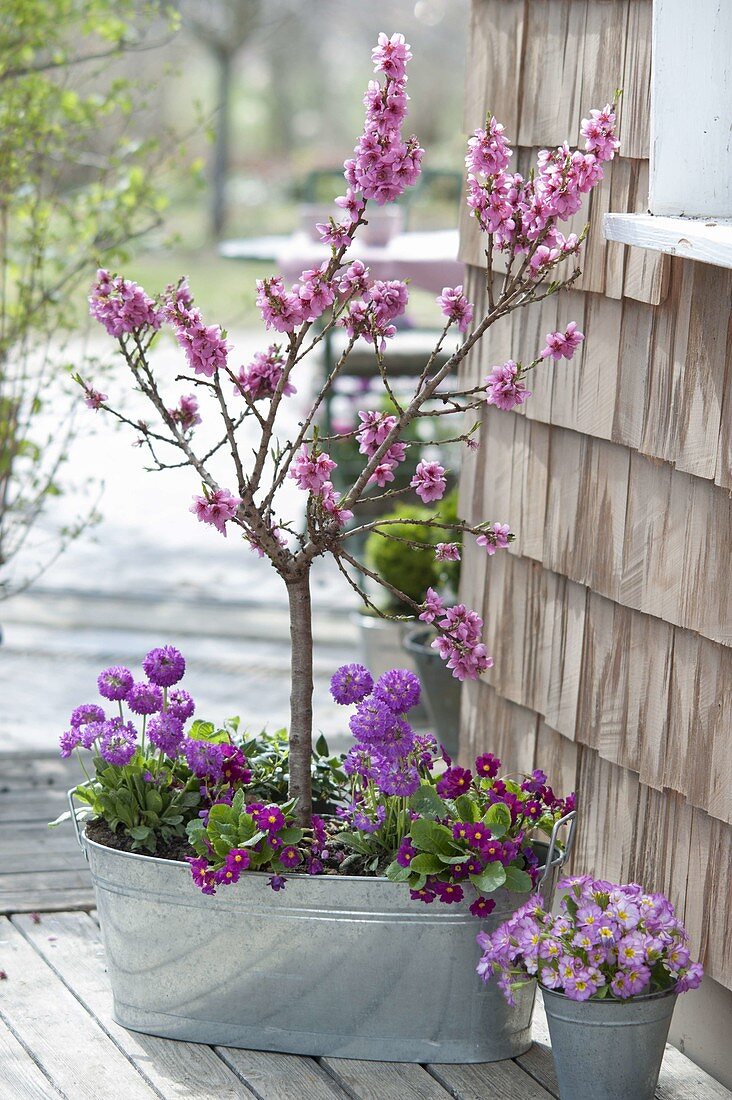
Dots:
pixel 220 164
pixel 301 695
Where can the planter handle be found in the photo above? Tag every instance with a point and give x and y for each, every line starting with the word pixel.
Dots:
pixel 72 809
pixel 570 820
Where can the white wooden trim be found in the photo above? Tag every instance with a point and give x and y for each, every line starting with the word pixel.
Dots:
pixel 691 108
pixel 705 239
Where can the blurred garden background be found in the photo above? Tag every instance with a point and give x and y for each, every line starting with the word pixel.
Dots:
pixel 143 137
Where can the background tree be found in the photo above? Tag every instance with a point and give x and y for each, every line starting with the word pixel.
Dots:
pixel 75 187
pixel 224 27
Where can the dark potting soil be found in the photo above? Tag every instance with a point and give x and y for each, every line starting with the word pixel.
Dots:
pixel 178 848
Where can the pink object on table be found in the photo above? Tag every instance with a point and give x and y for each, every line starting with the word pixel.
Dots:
pixel 428 259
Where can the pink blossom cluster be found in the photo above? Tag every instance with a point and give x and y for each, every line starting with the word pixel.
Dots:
pixel 384 163
pixel 186 412
pixel 371 316
pixel 456 307
pixel 522 214
pixel 205 346
pixel 216 508
pixel 459 644
pixel 562 345
pixel 613 941
pixel 447 551
pixel 429 481
pixel 121 305
pixel 93 399
pixel 308 299
pixel 262 377
pixel 375 427
pixel 495 538
pixel 504 387
pixel 311 471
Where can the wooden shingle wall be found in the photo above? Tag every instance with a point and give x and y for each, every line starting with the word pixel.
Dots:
pixel 610 617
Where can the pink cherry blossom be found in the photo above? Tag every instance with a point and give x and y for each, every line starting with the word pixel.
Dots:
pixel 217 508
pixel 391 55
pixel 280 310
pixel 562 345
pixel 456 306
pixel 447 551
pixel 94 399
pixel 599 130
pixel 312 471
pixel 429 481
pixel 121 305
pixel 504 388
pixel 262 376
pixel 495 538
pixel 186 412
pixel 433 607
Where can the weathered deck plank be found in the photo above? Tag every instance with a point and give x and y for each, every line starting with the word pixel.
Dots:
pixel 61 1037
pixel 70 944
pixel 384 1080
pixel 489 1081
pixel 283 1076
pixel 20 1077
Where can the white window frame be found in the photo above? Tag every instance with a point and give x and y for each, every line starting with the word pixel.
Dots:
pixel 690 200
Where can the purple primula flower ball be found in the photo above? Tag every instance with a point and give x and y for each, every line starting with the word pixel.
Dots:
pixel 68 741
pixel 166 733
pixel 269 818
pixel 87 712
pixel 180 704
pixel 115 682
pixel 351 684
pixel 91 732
pixel 277 882
pixel 373 722
pixel 399 689
pixel 203 758
pixel 145 698
pixel 117 745
pixel 164 666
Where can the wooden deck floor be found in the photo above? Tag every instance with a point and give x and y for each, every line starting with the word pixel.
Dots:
pixel 58 1037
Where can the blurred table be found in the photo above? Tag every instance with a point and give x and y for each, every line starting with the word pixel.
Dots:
pixel 427 259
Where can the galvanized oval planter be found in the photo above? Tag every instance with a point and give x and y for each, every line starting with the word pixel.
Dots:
pixel 332 965
pixel 608 1050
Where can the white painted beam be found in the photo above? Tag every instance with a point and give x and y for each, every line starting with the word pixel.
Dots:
pixel 704 239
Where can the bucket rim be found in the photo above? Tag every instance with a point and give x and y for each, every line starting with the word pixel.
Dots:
pixel 644 998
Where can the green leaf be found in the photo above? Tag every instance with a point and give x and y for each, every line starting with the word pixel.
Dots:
pixel 489 879
pixel 139 832
pixel 321 746
pixel 426 864
pixel 517 880
pixel 467 808
pixel 428 836
pixel 498 819
pixel 427 802
pixel 206 731
pixel 396 873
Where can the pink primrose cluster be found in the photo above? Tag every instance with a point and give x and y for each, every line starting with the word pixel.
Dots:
pixel 121 305
pixel 522 214
pixel 262 377
pixel 608 940
pixel 216 508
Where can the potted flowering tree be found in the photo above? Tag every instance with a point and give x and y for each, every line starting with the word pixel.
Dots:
pixel 402 833
pixel 609 965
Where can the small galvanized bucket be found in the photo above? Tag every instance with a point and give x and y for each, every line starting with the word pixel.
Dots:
pixel 608 1050
pixel 331 966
